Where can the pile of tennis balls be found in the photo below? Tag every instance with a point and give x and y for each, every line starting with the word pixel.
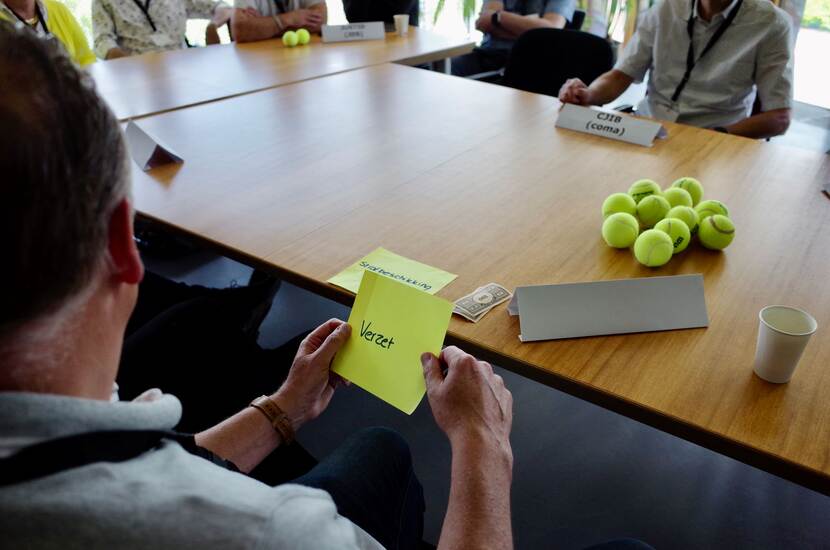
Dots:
pixel 292 38
pixel 669 219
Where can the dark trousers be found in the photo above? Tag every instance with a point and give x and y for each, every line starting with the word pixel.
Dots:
pixel 480 60
pixel 190 342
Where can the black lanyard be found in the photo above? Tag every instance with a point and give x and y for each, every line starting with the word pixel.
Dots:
pixel 40 19
pixel 690 56
pixel 145 9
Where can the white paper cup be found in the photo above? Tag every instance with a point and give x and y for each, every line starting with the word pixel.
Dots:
pixel 783 334
pixel 402 24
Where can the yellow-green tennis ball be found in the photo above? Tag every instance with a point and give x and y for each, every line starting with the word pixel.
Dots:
pixel 710 208
pixel 677 197
pixel 691 185
pixel 652 209
pixel 653 248
pixel 678 232
pixel 620 230
pixel 619 202
pixel 289 38
pixel 643 188
pixel 716 232
pixel 687 215
pixel 303 37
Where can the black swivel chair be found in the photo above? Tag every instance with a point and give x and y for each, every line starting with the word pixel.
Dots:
pixel 543 59
pixel 361 11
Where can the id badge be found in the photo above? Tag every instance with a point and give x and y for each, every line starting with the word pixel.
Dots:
pixel 162 40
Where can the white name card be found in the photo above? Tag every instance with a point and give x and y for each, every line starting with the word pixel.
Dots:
pixel 610 124
pixel 373 30
pixel 146 150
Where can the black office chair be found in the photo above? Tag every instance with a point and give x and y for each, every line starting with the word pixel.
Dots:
pixel 543 59
pixel 361 11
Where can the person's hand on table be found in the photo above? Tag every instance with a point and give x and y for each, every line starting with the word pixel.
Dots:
pixel 310 384
pixel 221 15
pixel 470 403
pixel 303 19
pixel 575 91
pixel 115 53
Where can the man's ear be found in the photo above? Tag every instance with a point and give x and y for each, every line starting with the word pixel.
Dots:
pixel 126 261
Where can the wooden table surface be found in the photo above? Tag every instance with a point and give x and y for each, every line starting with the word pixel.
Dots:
pixel 157 82
pixel 476 179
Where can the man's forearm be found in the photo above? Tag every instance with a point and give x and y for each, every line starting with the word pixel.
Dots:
pixel 609 87
pixel 763 125
pixel 245 439
pixel 251 28
pixel 478 514
pixel 514 25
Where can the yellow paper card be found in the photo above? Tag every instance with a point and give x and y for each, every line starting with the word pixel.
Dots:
pixel 392 325
pixel 415 274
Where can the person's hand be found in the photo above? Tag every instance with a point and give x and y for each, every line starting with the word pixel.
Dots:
pixel 310 384
pixel 115 53
pixel 221 15
pixel 575 91
pixel 303 19
pixel 485 21
pixel 470 403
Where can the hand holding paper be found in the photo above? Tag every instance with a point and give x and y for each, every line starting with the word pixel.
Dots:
pixel 392 325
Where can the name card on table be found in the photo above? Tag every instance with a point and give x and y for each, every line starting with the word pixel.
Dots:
pixel 146 150
pixel 373 30
pixel 610 124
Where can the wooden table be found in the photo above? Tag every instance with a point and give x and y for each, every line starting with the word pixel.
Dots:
pixel 156 82
pixel 475 179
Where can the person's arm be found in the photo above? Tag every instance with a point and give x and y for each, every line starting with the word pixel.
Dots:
pixel 246 438
pixel 475 410
pixel 605 89
pixel 248 25
pixel 105 41
pixel 763 125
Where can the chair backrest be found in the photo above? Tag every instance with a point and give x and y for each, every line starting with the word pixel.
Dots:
pixel 543 59
pixel 576 22
pixel 361 11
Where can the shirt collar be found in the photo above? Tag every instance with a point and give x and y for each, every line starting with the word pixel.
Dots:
pixel 44 416
pixel 720 15
pixel 40 5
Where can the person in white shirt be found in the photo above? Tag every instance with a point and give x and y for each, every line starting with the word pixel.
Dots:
pixel 129 27
pixel 254 20
pixel 707 61
pixel 80 469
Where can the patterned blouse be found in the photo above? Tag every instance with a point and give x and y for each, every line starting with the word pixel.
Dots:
pixel 140 26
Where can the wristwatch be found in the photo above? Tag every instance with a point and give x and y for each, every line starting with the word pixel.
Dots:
pixel 279 420
pixel 720 129
pixel 495 19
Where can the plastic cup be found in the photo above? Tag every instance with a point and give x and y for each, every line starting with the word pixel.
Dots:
pixel 402 24
pixel 783 334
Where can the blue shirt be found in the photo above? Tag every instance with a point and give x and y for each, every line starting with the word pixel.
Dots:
pixel 565 8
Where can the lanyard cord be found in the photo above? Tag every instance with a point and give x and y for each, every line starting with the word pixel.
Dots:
pixel 690 55
pixel 145 9
pixel 40 19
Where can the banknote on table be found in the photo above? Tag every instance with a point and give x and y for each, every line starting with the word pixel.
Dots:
pixel 475 305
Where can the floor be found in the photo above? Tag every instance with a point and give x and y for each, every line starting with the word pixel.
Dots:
pixel 582 474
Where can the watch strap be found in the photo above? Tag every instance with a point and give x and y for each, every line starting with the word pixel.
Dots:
pixel 276 416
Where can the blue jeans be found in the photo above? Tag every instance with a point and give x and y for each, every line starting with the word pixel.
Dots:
pixel 370 478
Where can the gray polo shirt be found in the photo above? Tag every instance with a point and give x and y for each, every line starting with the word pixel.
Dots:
pixel 275 7
pixel 565 8
pixel 754 54
pixel 164 498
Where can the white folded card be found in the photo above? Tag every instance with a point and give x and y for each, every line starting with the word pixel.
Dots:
pixel 148 151
pixel 550 312
pixel 373 30
pixel 610 124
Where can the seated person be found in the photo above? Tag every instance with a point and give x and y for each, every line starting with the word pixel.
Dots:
pixel 502 23
pixel 79 468
pixel 47 17
pixel 255 20
pixel 130 27
pixel 740 48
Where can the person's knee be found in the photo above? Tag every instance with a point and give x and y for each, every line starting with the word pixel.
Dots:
pixel 388 443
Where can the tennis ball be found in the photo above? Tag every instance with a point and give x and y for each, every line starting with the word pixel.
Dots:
pixel 687 215
pixel 303 37
pixel 620 230
pixel 618 202
pixel 652 209
pixel 710 208
pixel 716 232
pixel 289 38
pixel 643 188
pixel 691 185
pixel 677 230
pixel 677 197
pixel 653 248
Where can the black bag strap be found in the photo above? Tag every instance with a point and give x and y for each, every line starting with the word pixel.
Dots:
pixel 64 453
